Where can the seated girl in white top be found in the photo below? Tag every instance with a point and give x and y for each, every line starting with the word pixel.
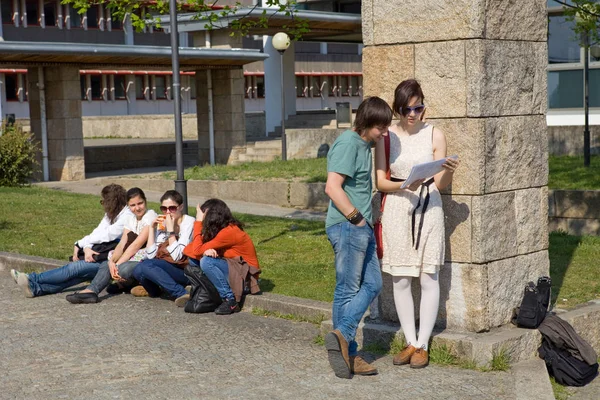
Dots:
pixel 129 252
pixel 164 267
pixel 114 202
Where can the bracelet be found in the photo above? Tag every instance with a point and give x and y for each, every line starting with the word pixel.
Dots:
pixel 355 220
pixel 352 214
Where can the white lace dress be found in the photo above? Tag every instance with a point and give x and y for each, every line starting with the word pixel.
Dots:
pixel 408 251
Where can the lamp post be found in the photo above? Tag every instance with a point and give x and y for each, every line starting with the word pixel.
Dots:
pixel 281 42
pixel 586 99
pixel 180 182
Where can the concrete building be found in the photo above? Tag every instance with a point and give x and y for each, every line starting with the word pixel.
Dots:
pixel 321 73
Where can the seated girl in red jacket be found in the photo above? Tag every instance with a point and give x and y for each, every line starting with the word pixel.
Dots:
pixel 226 253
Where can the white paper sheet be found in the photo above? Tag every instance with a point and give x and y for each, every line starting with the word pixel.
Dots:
pixel 425 170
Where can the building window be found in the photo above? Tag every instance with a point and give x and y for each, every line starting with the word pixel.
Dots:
pixel 299 86
pixel 120 87
pixel 140 88
pixel 31 8
pixel 92 17
pixel 115 22
pixel 50 13
pixel 565 89
pixel 355 86
pixel 7 12
pixel 192 87
pixel 74 17
pixel 83 86
pixel 160 88
pixel 96 86
pixel 594 83
pixel 12 87
pixel 563 45
pixel 260 86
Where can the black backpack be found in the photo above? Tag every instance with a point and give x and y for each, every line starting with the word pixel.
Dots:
pixel 204 296
pixel 535 304
pixel 564 367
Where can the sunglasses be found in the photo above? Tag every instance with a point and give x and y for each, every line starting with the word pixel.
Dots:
pixel 171 209
pixel 417 109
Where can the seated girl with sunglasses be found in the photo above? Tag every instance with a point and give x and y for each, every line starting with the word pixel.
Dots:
pixel 226 253
pixel 126 256
pixel 84 266
pixel 168 236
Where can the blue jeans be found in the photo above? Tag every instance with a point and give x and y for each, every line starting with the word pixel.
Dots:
pixel 103 277
pixel 58 279
pixel 357 275
pixel 217 271
pixel 154 274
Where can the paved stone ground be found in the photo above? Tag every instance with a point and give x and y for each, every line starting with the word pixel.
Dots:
pixel 147 348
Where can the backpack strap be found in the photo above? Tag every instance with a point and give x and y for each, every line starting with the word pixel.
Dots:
pixel 388 174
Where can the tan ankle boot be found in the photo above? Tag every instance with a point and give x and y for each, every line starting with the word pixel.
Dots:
pixel 420 359
pixel 404 356
pixel 361 367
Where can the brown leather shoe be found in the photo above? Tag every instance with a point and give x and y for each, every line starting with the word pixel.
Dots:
pixel 404 356
pixel 337 352
pixel 361 367
pixel 139 291
pixel 420 359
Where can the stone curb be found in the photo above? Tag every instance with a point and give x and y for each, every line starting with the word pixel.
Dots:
pixel 310 309
pixel 532 380
pixel 283 194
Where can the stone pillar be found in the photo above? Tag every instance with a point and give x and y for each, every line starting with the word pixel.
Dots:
pixel 482 66
pixel 63 120
pixel 228 104
pixel 228 112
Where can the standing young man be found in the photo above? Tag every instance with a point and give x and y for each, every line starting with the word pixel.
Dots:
pixel 350 231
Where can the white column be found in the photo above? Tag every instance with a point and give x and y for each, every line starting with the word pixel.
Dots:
pixel 41 14
pixel 111 86
pixel 128 30
pixel 67 16
pixel 2 95
pixel 101 19
pixel 130 94
pixel 323 49
pixel 1 40
pixel 273 86
pixel 60 23
pixel 104 84
pixel 16 15
pixel 108 18
pixel 23 14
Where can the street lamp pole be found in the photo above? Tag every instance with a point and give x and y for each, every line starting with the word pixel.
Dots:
pixel 281 41
pixel 180 182
pixel 586 100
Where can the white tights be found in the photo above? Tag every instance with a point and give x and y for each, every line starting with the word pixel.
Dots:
pixel 430 301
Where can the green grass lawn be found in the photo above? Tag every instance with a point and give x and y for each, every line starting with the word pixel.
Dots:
pixel 295 256
pixel 311 170
pixel 574 269
pixel 565 172
pixel 568 173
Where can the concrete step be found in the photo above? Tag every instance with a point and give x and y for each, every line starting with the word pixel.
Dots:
pixel 257 158
pixel 265 144
pixel 260 151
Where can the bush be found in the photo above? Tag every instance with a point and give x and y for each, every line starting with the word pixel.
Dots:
pixel 17 156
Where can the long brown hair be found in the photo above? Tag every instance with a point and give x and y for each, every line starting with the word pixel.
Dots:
pixel 114 199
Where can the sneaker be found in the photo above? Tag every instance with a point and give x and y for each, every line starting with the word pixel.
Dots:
pixel 359 366
pixel 82 298
pixel 182 300
pixel 228 306
pixel 15 275
pixel 139 291
pixel 420 359
pixel 337 352
pixel 23 281
pixel 404 356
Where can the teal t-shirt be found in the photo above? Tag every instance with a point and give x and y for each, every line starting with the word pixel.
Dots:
pixel 350 155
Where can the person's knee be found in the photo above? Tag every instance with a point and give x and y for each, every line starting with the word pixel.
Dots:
pixel 207 263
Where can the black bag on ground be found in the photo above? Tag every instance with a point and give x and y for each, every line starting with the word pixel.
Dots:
pixel 204 296
pixel 101 248
pixel 569 358
pixel 535 303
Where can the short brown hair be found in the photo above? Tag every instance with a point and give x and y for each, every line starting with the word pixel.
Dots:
pixel 372 112
pixel 405 91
